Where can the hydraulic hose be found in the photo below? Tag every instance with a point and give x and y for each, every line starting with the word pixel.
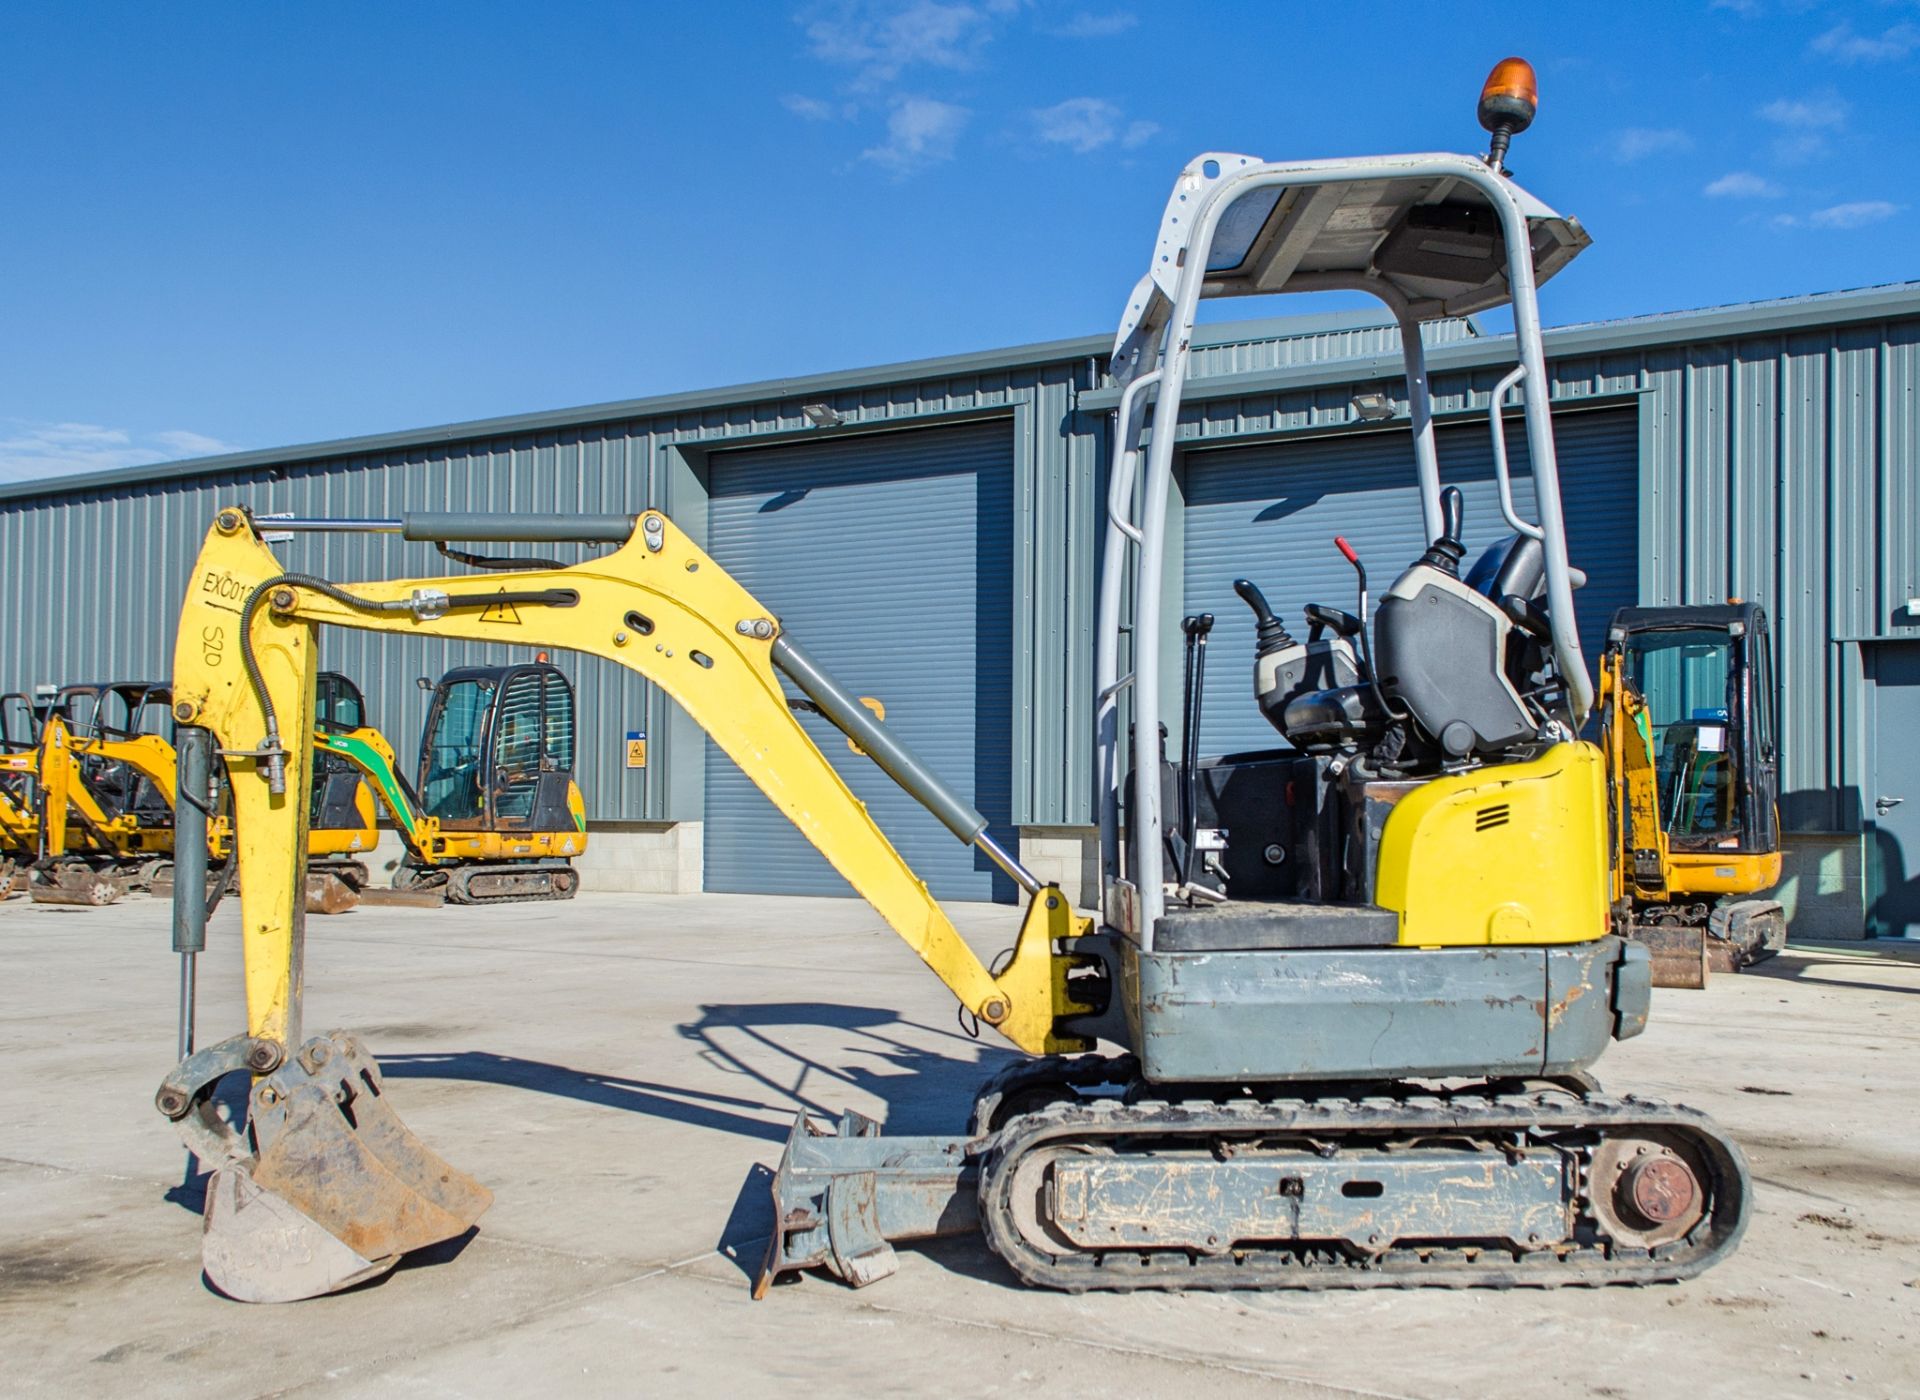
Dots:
pixel 271 748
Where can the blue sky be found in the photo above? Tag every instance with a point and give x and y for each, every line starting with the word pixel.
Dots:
pixel 232 226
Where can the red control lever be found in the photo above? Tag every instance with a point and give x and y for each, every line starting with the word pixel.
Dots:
pixel 1340 543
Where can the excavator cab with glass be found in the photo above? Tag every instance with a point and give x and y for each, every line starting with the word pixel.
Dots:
pixel 1688 709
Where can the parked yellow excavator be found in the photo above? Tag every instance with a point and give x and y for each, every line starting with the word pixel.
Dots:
pixel 1686 710
pixel 1374 1076
pixel 19 827
pixel 101 782
pixel 496 816
pixel 105 788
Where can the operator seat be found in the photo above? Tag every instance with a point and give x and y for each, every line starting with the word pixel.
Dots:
pixel 1441 646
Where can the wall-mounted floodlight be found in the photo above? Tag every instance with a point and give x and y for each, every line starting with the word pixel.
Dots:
pixel 1372 407
pixel 821 415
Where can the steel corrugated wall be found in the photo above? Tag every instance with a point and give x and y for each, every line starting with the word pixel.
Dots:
pixel 889 559
pixel 1821 524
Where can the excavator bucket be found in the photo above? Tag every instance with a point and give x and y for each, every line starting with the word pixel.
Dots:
pixel 74 883
pixel 326 1188
pixel 330 893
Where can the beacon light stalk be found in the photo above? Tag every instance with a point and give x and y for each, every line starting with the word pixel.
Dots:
pixel 1508 101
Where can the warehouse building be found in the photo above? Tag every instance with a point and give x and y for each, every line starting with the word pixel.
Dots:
pixel 931 532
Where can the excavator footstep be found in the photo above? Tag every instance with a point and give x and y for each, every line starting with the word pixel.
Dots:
pixel 335 1189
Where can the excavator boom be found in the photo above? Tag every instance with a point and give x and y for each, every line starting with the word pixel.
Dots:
pixel 245 668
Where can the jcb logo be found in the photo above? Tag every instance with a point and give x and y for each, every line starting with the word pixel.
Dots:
pixel 223 585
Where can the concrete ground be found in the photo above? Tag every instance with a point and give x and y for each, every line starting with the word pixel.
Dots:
pixel 622 1071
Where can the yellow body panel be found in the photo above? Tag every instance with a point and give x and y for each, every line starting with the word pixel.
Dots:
pixel 19 827
pixel 694 649
pixel 1721 872
pixel 348 840
pixel 1513 853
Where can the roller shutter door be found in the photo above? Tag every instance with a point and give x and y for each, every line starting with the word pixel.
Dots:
pixel 889 559
pixel 1270 513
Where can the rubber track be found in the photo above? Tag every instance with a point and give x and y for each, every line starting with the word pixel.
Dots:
pixel 459 876
pixel 1541 1118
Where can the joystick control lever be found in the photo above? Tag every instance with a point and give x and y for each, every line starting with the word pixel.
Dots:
pixel 1446 552
pixel 1271 633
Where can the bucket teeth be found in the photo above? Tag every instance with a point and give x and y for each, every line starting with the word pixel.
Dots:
pixel 338 1188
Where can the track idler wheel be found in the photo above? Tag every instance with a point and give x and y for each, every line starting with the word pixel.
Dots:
pixel 1647 1190
pixel 328 1188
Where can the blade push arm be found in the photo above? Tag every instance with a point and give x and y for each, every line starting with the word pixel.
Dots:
pixel 245 667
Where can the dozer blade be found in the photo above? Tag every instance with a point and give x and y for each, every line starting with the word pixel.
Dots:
pixel 74 884
pixel 383 897
pixel 839 1199
pixel 338 1188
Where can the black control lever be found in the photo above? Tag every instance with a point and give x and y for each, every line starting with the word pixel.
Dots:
pixel 1352 556
pixel 1195 628
pixel 1527 616
pixel 1271 633
pixel 1446 552
pixel 1341 624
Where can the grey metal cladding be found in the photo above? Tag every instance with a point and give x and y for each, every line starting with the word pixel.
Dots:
pixel 1813 396
pixel 888 557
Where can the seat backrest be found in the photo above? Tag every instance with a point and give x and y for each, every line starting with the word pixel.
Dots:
pixel 1516 566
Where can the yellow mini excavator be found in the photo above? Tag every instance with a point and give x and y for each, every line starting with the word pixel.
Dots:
pixel 103 772
pixel 1686 710
pixel 496 816
pixel 105 777
pixel 1373 1074
pixel 19 826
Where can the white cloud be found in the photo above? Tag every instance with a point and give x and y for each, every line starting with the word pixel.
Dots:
pixel 1094 24
pixel 1746 9
pixel 882 40
pixel 1639 142
pixel 1844 45
pixel 920 132
pixel 1858 214
pixel 1814 112
pixel 31 450
pixel 1805 123
pixel 1085 124
pixel 811 108
pixel 1801 149
pixel 1742 184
